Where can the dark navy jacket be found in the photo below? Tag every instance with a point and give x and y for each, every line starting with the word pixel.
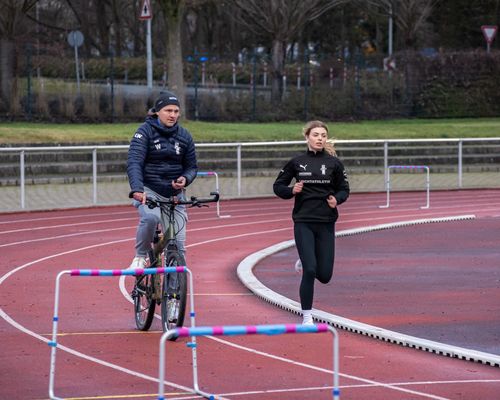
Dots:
pixel 157 155
pixel 323 175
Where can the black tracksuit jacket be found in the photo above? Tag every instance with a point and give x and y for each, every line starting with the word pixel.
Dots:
pixel 323 175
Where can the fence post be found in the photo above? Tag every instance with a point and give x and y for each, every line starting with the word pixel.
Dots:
pixel 23 183
pixel 94 176
pixel 460 165
pixel 386 162
pixel 238 166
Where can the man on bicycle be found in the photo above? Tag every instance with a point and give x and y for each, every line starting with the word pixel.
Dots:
pixel 161 163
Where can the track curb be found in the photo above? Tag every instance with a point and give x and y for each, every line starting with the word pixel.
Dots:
pixel 246 276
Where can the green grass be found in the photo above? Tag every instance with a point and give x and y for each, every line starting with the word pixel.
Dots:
pixel 17 133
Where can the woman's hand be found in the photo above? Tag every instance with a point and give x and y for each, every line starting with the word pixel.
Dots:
pixel 332 201
pixel 297 188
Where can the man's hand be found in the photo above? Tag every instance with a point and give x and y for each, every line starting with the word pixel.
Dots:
pixel 140 197
pixel 179 183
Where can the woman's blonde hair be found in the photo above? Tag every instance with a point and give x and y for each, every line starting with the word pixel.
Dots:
pixel 306 130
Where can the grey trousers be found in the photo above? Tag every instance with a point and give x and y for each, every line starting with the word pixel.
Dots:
pixel 149 220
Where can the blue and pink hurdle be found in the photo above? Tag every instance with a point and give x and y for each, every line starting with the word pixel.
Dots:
pixel 233 330
pixel 107 273
pixel 411 168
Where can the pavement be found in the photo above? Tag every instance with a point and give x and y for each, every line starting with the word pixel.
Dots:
pixel 115 192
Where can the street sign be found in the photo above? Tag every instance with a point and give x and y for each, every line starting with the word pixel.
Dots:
pixel 145 10
pixel 75 38
pixel 389 64
pixel 489 32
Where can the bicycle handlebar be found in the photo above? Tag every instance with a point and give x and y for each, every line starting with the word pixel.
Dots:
pixel 175 201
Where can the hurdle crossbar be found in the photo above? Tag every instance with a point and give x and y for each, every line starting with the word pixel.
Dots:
pixel 232 330
pixel 109 273
pixel 213 173
pixel 407 167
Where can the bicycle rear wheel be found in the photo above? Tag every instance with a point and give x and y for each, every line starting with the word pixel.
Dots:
pixel 173 305
pixel 143 295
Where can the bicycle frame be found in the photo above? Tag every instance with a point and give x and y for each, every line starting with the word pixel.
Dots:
pixel 172 290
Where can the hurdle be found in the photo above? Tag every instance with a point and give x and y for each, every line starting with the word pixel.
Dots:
pixel 407 167
pixel 212 173
pixel 109 273
pixel 233 330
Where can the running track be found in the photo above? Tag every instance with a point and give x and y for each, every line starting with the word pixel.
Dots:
pixel 108 358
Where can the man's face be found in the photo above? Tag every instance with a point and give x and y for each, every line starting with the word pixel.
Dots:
pixel 169 115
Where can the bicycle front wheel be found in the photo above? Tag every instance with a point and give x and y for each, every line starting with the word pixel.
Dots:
pixel 143 295
pixel 173 305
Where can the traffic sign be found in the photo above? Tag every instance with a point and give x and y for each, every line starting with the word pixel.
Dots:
pixel 489 32
pixel 145 10
pixel 389 64
pixel 75 38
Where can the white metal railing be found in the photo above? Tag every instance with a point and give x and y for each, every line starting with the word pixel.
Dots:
pixel 385 145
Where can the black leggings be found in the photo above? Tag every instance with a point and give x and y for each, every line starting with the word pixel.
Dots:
pixel 316 246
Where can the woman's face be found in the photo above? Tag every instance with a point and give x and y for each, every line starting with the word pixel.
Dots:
pixel 316 139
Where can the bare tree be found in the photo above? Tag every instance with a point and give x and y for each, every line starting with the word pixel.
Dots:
pixel 280 21
pixel 13 25
pixel 410 17
pixel 173 13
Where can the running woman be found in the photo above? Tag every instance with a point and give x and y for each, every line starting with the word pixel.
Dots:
pixel 320 185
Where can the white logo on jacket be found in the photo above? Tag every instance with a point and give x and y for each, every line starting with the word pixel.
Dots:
pixel 177 148
pixel 303 166
pixel 323 169
pixel 138 135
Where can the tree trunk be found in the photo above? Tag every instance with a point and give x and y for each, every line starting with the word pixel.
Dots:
pixel 174 61
pixel 277 58
pixel 7 73
pixel 173 11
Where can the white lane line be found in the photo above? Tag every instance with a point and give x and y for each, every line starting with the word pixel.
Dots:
pixel 371 382
pixel 63 236
pixel 37 228
pixel 223 341
pixel 20 327
pixel 86 216
pixel 206 228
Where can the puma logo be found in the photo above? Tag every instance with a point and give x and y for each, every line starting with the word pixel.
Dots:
pixel 303 166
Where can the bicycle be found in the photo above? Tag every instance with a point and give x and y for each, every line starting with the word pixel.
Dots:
pixel 167 289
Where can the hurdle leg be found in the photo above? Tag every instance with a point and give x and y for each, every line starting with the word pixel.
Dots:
pixel 427 186
pixel 388 187
pixel 336 389
pixel 53 342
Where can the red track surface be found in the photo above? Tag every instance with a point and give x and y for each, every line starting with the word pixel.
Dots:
pixel 110 358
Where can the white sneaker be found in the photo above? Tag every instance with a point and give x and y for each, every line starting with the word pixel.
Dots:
pixel 308 322
pixel 298 266
pixel 137 262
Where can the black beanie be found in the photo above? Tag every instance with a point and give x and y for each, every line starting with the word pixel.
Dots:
pixel 166 99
